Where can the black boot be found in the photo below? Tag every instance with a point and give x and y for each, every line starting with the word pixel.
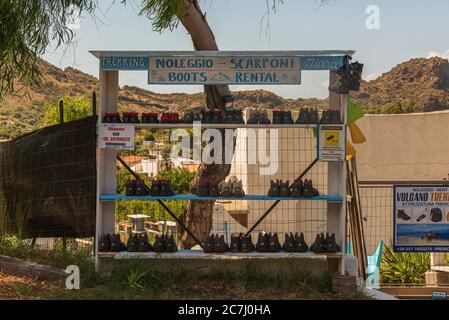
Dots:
pixel 188 117
pixel 220 245
pixel 262 243
pixel 227 190
pixel 335 117
pixel 214 190
pixel 131 188
pixel 290 243
pixel 116 243
pixel 304 117
pixel 285 189
pixel 287 118
pixel 160 244
pixel 278 117
pixel 170 244
pixel 297 189
pixel 274 244
pixel 133 243
pixel 247 244
pixel 313 116
pixel 319 246
pixel 301 243
pixel 105 243
pixel 141 190
pixel 275 189
pixel 203 188
pixel 309 191
pixel 326 117
pixel 236 243
pixel 340 83
pixel 208 244
pixel 144 244
pixel 166 190
pixel 253 117
pixel 263 117
pixel 331 244
pixel 156 188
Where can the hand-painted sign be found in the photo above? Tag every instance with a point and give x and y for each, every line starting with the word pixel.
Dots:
pixel 124 63
pixel 332 143
pixel 322 62
pixel 116 136
pixel 421 218
pixel 225 70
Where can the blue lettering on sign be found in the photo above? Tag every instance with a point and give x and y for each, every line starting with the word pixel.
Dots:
pixel 125 63
pixel 322 63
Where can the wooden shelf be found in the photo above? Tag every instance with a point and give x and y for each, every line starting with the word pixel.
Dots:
pixel 216 126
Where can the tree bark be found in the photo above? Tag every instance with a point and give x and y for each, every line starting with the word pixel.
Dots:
pixel 199 215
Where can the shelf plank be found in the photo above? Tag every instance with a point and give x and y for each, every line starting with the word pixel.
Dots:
pixel 218 126
pixel 188 197
pixel 200 255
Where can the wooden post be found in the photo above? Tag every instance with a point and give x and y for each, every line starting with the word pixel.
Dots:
pixel 61 112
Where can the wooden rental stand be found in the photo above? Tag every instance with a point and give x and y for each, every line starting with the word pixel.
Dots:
pixel 111 63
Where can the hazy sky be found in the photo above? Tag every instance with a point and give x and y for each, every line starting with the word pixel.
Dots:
pixel 408 29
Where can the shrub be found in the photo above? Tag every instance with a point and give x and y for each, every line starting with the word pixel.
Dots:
pixel 404 268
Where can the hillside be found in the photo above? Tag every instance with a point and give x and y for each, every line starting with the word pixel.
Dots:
pixel 417 85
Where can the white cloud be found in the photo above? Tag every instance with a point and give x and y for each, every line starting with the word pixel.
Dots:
pixel 369 77
pixel 444 55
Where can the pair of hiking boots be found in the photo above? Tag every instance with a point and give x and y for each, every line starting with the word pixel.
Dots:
pixel 325 244
pixel 233 116
pixel 233 189
pixel 112 118
pixel 268 242
pixel 213 116
pixel 242 243
pixel 150 117
pixel 208 188
pixel 215 244
pixel 257 116
pixel 136 188
pixel 131 117
pixel 111 243
pixel 139 243
pixel 282 117
pixel 161 188
pixel 170 118
pixel 347 78
pixel 165 244
pixel 331 117
pixel 295 243
pixel 190 117
pixel 299 189
pixel 308 116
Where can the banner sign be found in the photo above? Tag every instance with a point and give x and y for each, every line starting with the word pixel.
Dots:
pixel 322 62
pixel 124 63
pixel 225 70
pixel 421 218
pixel 116 136
pixel 332 143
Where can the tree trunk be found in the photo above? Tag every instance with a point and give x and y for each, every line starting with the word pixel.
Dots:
pixel 198 216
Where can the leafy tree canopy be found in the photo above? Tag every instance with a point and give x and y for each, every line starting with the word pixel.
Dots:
pixel 75 108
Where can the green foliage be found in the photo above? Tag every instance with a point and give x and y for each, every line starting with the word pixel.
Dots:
pixel 75 108
pixel 26 31
pixel 404 268
pixel 163 13
pixel 392 108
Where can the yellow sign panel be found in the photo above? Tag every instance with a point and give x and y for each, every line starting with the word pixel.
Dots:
pixel 332 139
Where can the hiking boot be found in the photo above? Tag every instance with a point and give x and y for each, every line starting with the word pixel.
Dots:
pixel 207 116
pixel 275 189
pixel 141 190
pixel 287 118
pixel 166 118
pixel 197 117
pixel 144 244
pixel 356 70
pixel 217 116
pixel 313 116
pixel 331 244
pixel 150 118
pixel 290 244
pixel 319 246
pixel 274 245
pixel 116 243
pixel 301 245
pixel 326 117
pixel 341 81
pixel 130 117
pixel 170 244
pixel 263 117
pixel 278 117
pixel 297 189
pixel 403 216
pixel 284 189
pixel 156 188
pixel 208 244
pixel 237 189
pixel 309 191
pixel 203 188
pixel 236 243
pixel 161 244
pixel 133 243
pixel 220 245
pixel 105 243
pixel 131 188
pixel 253 117
pixel 238 117
pixel 115 118
pixel 262 243
pixel 335 117
pixel 166 189
pixel 229 117
pixel 126 117
pixel 304 116
pixel 214 190
pixel 188 117
pixel 227 190
pixel 247 244
pixel 107 118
